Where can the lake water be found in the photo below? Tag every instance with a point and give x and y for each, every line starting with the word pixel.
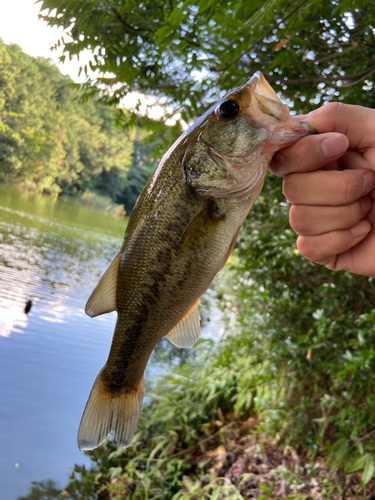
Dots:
pixel 53 252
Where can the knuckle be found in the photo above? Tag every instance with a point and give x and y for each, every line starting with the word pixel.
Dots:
pixel 285 187
pixel 307 248
pixel 333 107
pixel 332 110
pixel 289 187
pixel 298 219
pixel 333 113
pixel 330 263
pixel 320 248
pixel 355 213
pixel 350 186
pixel 299 155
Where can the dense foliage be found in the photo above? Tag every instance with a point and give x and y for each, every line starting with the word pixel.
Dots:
pixel 303 360
pixel 51 142
pixel 188 51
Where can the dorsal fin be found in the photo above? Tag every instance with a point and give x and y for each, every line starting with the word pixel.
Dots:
pixel 187 332
pixel 103 298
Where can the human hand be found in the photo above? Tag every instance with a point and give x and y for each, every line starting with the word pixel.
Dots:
pixel 330 181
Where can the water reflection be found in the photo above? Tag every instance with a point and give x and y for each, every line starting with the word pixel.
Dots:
pixel 12 316
pixel 44 490
pixel 53 252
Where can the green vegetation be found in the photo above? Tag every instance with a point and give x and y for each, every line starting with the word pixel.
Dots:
pixel 302 362
pixel 187 52
pixel 210 419
pixel 44 490
pixel 53 143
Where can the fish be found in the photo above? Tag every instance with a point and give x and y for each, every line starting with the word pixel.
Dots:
pixel 180 234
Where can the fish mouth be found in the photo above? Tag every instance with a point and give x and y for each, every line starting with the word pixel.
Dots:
pixel 309 128
pixel 267 100
pixel 270 103
pixel 260 86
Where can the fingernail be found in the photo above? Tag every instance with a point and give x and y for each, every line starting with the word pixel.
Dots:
pixel 366 204
pixel 334 146
pixel 368 182
pixel 360 229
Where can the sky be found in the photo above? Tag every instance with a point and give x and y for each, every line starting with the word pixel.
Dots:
pixel 19 24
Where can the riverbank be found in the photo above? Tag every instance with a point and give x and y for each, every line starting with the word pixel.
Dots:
pixel 204 436
pixel 239 463
pixel 95 201
pixel 88 199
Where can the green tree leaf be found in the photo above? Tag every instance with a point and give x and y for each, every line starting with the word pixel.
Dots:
pixel 204 5
pixel 175 17
pixel 163 33
pixel 368 471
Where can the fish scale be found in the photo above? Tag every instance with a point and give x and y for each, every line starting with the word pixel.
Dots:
pixel 180 234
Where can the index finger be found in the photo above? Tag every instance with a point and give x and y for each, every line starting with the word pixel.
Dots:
pixel 310 153
pixel 356 122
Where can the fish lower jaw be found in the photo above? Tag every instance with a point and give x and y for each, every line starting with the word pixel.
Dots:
pixel 244 177
pixel 284 137
pixel 239 188
pixel 247 177
pixel 246 190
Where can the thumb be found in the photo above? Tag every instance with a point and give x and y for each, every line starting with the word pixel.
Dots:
pixel 356 122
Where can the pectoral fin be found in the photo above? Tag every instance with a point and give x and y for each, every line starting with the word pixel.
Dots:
pixel 103 298
pixel 187 332
pixel 200 230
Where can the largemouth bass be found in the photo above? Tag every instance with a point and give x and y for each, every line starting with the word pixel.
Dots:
pixel 180 234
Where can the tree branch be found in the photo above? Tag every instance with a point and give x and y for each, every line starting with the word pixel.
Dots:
pixel 328 81
pixel 186 35
pixel 363 438
pixel 337 54
pixel 200 442
pixel 226 66
pixel 130 30
pixel 300 67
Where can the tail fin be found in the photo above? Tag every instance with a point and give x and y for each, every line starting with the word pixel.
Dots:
pixel 108 413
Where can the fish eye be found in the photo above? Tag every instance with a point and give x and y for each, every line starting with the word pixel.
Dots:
pixel 229 109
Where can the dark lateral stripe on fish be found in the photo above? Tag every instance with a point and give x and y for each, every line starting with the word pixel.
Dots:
pixel 180 234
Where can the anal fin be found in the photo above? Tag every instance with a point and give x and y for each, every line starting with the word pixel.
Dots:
pixel 103 298
pixel 187 332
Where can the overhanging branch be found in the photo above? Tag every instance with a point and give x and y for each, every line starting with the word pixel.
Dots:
pixel 357 77
pixel 130 30
pixel 338 54
pixel 226 66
